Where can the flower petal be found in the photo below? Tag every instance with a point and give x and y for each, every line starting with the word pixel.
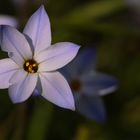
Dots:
pixel 18 76
pixel 8 20
pixel 13 42
pixel 56 89
pixel 20 91
pixel 91 107
pixel 38 89
pixel 98 82
pixel 38 29
pixel 7 69
pixel 56 56
pixel 75 69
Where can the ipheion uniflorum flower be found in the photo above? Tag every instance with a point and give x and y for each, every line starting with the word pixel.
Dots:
pixel 33 62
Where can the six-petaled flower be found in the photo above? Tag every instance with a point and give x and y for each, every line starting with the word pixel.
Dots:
pixel 33 62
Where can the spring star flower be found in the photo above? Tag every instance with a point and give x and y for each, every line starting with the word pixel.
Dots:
pixel 88 85
pixel 33 62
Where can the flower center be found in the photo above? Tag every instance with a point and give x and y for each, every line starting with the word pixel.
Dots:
pixel 75 85
pixel 30 66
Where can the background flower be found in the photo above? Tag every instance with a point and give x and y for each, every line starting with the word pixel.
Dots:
pixel 88 85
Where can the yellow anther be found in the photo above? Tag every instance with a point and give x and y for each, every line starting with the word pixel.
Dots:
pixel 34 65
pixel 32 71
pixel 27 64
pixel 30 66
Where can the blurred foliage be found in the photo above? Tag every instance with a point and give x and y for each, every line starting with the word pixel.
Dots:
pixel 113 28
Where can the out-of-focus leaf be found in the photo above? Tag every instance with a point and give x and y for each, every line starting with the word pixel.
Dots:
pixel 115 29
pixel 19 121
pixel 130 115
pixel 131 85
pixel 93 10
pixel 6 126
pixel 82 133
pixel 104 28
pixel 109 56
pixel 39 121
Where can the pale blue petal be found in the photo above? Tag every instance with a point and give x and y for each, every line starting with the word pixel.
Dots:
pixel 56 90
pixel 98 82
pixel 84 62
pixel 7 68
pixel 15 43
pixel 57 56
pixel 38 89
pixel 21 91
pixel 67 73
pixel 91 107
pixel 18 76
pixel 36 93
pixel 38 29
pixel 8 20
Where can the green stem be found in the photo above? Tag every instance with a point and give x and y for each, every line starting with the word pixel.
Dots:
pixel 40 120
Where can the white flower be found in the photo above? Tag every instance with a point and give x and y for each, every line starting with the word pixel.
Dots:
pixel 8 20
pixel 33 62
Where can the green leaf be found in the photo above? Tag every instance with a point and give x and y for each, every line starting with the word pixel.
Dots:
pixel 93 10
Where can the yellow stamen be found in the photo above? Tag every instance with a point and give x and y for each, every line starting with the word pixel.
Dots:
pixel 30 66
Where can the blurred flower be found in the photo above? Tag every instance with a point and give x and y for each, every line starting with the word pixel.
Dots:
pixel 8 20
pixel 33 62
pixel 19 3
pixel 88 85
pixel 135 3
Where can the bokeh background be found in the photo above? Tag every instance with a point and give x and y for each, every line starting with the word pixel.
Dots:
pixel 113 27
